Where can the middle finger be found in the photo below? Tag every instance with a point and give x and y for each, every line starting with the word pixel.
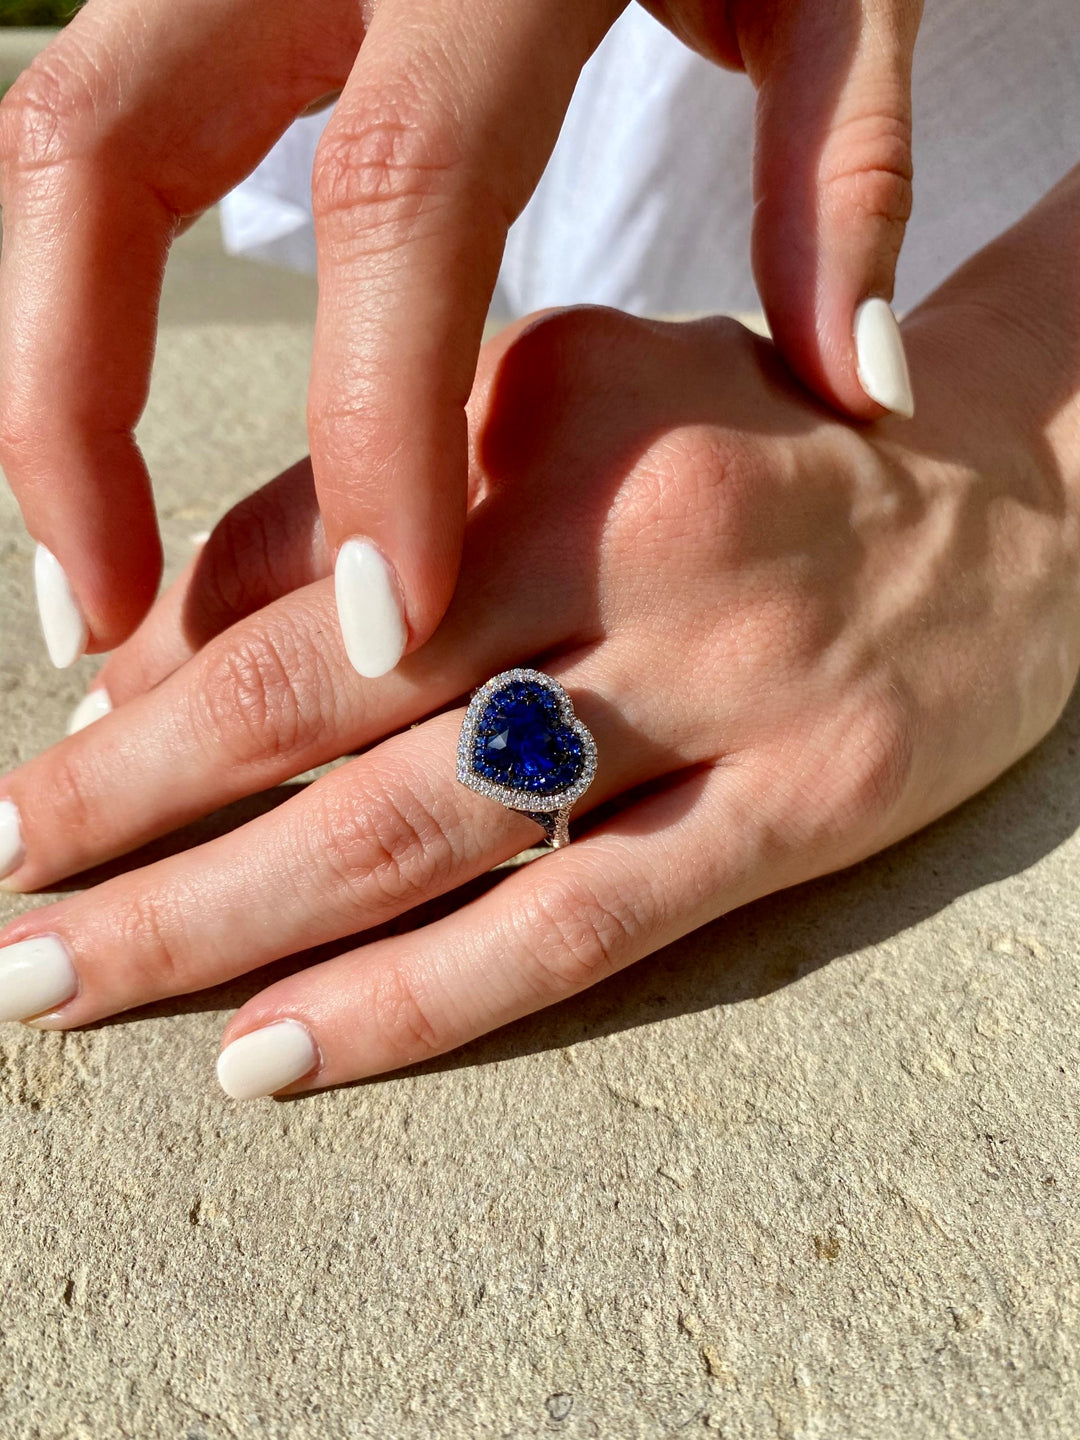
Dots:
pixel 270 698
pixel 359 846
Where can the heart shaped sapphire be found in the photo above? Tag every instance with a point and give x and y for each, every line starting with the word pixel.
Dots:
pixel 522 742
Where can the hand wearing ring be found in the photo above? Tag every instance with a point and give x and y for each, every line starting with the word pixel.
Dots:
pixel 791 640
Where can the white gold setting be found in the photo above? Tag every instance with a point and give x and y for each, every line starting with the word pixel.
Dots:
pixel 541 807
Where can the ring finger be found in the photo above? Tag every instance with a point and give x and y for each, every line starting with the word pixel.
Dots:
pixel 270 698
pixel 269 544
pixel 357 847
pixel 657 870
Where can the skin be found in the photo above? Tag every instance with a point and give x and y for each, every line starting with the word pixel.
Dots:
pixel 144 112
pixel 796 641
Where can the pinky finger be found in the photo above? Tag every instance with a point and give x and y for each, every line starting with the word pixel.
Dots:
pixel 663 867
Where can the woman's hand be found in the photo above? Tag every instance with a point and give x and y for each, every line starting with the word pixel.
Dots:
pixel 795 642
pixel 144 112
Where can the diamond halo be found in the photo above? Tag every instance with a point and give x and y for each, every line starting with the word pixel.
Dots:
pixel 530 802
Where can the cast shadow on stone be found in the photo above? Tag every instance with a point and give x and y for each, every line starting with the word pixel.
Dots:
pixel 774 942
pixel 1025 815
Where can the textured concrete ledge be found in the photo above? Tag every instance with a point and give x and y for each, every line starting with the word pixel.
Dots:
pixel 810 1173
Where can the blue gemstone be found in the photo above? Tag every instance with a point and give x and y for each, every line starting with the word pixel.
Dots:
pixel 522 743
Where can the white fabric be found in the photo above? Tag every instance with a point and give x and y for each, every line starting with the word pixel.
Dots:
pixel 646 201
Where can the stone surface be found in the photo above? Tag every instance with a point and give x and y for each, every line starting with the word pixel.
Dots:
pixel 810 1173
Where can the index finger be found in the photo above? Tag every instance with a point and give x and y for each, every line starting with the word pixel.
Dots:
pixel 440 135
pixel 137 115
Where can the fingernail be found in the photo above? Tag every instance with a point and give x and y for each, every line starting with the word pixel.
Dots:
pixel 369 609
pixel 35 975
pixel 91 707
pixel 266 1060
pixel 880 359
pixel 12 850
pixel 62 621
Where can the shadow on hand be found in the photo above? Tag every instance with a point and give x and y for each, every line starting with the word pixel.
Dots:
pixel 1023 816
pixel 1026 814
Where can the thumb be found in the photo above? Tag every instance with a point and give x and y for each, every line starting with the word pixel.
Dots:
pixel 832 189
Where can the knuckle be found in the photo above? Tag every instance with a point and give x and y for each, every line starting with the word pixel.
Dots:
pixel 574 937
pixel 27 423
pixel 874 758
pixel 356 433
pixel 521 403
pixel 694 480
pixel 16 431
pixel 73 792
pixel 383 163
pixel 238 572
pixel 258 696
pixel 883 757
pixel 577 338
pixel 871 171
pixel 45 114
pixel 581 329
pixel 147 929
pixel 20 432
pixel 402 1017
pixel 390 848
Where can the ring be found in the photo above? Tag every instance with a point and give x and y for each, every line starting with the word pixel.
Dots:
pixel 522 744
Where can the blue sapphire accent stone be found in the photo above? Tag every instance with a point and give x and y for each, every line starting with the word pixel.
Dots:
pixel 523 743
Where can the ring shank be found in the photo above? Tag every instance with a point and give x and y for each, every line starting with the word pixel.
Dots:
pixel 555 825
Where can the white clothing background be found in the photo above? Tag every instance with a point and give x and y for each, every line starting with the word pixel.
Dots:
pixel 646 204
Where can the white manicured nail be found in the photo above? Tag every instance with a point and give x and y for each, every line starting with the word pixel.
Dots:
pixel 369 609
pixel 880 358
pixel 12 850
pixel 35 975
pixel 91 707
pixel 62 621
pixel 266 1060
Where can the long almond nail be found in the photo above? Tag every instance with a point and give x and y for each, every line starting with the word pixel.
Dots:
pixel 62 621
pixel 35 975
pixel 12 850
pixel 369 608
pixel 93 706
pixel 880 359
pixel 266 1060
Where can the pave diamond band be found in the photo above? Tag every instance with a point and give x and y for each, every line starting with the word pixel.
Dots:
pixel 522 745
